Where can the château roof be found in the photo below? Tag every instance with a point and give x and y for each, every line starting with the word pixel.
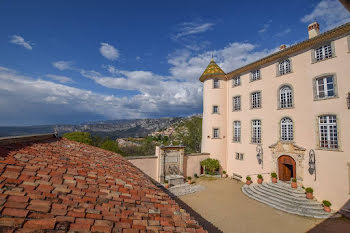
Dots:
pixel 57 185
pixel 212 70
pixel 335 33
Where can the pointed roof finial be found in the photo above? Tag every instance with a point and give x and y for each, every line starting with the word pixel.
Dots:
pixel 212 57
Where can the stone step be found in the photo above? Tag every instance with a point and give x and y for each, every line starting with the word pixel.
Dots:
pixel 259 193
pixel 285 187
pixel 276 190
pixel 284 200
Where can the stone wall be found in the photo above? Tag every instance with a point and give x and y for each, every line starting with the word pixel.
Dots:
pixel 147 164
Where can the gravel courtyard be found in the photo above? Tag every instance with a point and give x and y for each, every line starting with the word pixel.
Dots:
pixel 223 204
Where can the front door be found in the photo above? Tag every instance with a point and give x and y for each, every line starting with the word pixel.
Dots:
pixel 286 168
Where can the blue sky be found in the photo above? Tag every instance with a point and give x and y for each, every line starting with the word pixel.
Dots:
pixel 77 61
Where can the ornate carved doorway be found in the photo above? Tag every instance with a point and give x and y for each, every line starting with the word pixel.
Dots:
pixel 286 168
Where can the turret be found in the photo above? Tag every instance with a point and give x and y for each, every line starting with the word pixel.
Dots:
pixel 214 128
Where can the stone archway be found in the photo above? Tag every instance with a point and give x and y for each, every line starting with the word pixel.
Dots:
pixel 295 152
pixel 286 168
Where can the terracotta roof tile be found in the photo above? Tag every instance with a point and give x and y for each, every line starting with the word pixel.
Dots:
pixel 59 185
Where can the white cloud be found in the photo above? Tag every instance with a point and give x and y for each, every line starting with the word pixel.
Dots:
pixel 191 28
pixel 62 65
pixel 329 13
pixel 20 41
pixel 284 32
pixel 265 27
pixel 60 78
pixel 109 52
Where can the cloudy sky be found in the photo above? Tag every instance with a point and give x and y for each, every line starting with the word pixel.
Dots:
pixel 76 61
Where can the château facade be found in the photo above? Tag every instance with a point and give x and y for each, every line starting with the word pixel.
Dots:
pixel 287 113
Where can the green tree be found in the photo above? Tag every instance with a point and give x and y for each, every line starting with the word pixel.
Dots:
pixel 83 137
pixel 192 139
pixel 110 145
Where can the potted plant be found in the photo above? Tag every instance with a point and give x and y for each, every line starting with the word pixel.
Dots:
pixel 326 206
pixel 309 193
pixel 224 174
pixel 195 175
pixel 166 184
pixel 274 177
pixel 249 180
pixel 294 183
pixel 189 179
pixel 260 179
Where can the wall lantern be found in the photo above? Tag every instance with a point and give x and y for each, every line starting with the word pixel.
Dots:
pixel 259 155
pixel 348 100
pixel 312 163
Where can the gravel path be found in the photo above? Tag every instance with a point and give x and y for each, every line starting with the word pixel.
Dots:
pixel 184 189
pixel 223 204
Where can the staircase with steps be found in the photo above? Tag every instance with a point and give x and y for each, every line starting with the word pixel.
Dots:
pixel 281 196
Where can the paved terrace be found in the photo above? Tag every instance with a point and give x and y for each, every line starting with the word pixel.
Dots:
pixel 57 185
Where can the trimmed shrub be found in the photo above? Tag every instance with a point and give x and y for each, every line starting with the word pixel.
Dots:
pixel 294 180
pixel 326 203
pixel 210 165
pixel 165 181
pixel 195 175
pixel 189 178
pixel 273 175
pixel 249 178
pixel 309 190
pixel 259 176
pixel 224 172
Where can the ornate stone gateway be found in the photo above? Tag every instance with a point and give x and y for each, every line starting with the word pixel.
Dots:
pixel 287 159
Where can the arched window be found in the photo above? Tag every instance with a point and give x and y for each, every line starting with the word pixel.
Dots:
pixel 286 97
pixel 286 129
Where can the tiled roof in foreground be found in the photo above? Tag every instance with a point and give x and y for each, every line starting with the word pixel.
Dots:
pixel 58 185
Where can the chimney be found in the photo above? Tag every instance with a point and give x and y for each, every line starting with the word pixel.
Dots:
pixel 314 30
pixel 283 46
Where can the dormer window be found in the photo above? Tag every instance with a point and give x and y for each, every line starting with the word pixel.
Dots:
pixel 255 75
pixel 216 83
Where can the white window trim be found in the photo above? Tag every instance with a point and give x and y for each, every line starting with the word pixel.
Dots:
pixel 252 75
pixel 233 81
pixel 313 52
pixel 239 130
pixel 217 107
pixel 315 86
pixel 328 125
pixel 259 100
pixel 239 156
pixel 285 72
pixel 218 82
pixel 256 130
pixel 218 134
pixel 280 96
pixel 289 131
pixel 234 104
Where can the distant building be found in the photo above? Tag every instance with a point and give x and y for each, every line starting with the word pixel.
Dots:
pixel 287 113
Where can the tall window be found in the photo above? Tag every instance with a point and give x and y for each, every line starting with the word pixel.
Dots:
pixel 325 87
pixel 256 131
pixel 323 52
pixel 286 97
pixel 328 131
pixel 284 67
pixel 215 83
pixel 216 133
pixel 236 103
pixel 255 75
pixel 215 109
pixel 256 99
pixel 287 129
pixel 236 131
pixel 236 81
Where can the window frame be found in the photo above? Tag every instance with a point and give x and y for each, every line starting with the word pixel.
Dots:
pixel 278 70
pixel 319 138
pixel 237 129
pixel 315 86
pixel 259 132
pixel 234 105
pixel 215 80
pixel 252 98
pixel 279 99
pixel 313 52
pixel 289 132
pixel 217 108
pixel 239 82
pixel 252 75
pixel 239 156
pixel 218 132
